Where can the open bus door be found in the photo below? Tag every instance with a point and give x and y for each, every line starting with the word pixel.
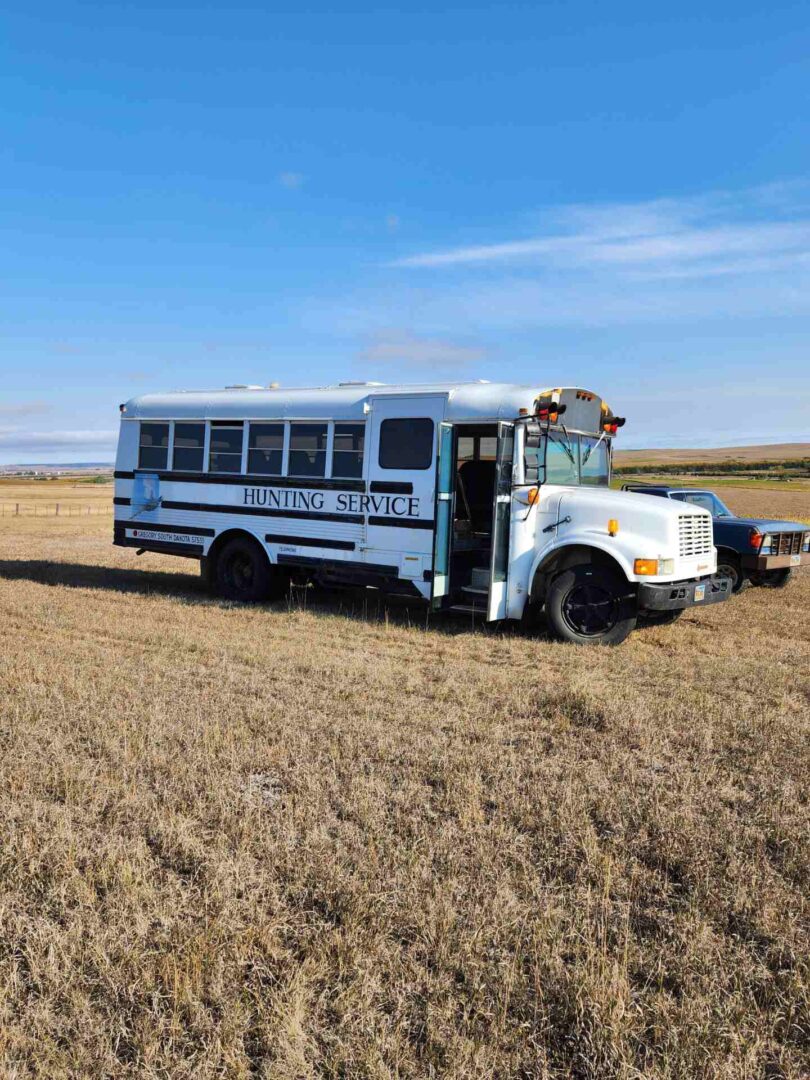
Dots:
pixel 501 518
pixel 443 515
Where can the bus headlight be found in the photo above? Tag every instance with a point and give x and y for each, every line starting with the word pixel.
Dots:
pixel 652 567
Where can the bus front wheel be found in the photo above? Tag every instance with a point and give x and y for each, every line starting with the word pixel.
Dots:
pixel 591 605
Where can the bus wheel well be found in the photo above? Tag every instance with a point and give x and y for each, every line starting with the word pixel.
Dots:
pixel 208 562
pixel 563 559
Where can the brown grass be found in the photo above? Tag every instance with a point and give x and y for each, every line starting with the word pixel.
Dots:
pixel 767 452
pixel 321 839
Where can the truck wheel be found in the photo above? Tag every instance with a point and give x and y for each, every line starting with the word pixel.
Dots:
pixel 591 605
pixel 772 579
pixel 243 571
pixel 659 618
pixel 728 566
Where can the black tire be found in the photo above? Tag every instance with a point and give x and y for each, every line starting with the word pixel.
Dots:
pixel 591 605
pixel 772 579
pixel 243 571
pixel 659 618
pixel 729 566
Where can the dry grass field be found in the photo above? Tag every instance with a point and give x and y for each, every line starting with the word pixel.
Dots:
pixel 326 839
pixel 684 456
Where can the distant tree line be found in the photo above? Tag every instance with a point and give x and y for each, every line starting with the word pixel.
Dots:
pixel 798 467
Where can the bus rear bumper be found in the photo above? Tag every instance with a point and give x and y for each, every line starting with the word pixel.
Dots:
pixel 675 595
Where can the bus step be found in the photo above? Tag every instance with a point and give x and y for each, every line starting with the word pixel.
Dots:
pixel 480 578
pixel 473 590
pixel 467 609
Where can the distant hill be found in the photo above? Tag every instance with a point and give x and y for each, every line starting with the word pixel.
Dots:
pixel 627 459
pixel 53 468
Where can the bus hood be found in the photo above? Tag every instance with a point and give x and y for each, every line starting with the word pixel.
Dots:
pixel 634 526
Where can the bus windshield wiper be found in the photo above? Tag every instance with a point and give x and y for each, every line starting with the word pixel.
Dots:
pixel 565 445
pixel 592 448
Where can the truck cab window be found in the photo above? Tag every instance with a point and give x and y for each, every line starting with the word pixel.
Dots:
pixel 706 500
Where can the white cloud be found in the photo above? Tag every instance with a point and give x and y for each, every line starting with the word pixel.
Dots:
pixel 18 439
pixel 291 180
pixel 401 347
pixel 24 408
pixel 715 235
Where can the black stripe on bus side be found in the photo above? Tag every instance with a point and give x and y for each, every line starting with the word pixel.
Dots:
pixel 402 523
pixel 161 547
pixel 309 541
pixel 391 487
pixel 341 565
pixel 261 511
pixel 247 480
pixel 122 502
pixel 181 530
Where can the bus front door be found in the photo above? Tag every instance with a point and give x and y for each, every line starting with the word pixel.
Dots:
pixel 501 519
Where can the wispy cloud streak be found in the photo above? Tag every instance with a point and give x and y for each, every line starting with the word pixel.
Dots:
pixel 712 236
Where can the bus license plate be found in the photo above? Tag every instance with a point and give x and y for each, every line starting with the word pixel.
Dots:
pixel 795 560
pixel 700 592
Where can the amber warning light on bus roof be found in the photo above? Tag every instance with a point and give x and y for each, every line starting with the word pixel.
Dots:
pixel 549 410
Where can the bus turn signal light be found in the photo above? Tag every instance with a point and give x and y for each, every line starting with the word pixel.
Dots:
pixel 533 495
pixel 613 527
pixel 645 566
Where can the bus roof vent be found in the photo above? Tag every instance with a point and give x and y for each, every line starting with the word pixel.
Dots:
pixel 243 386
pixel 360 383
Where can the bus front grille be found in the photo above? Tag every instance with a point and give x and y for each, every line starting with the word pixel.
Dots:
pixel 694 535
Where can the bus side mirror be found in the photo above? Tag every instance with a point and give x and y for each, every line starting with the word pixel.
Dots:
pixel 533 436
pixel 531 461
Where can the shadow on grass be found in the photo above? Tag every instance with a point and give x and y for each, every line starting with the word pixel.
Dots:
pixel 362 605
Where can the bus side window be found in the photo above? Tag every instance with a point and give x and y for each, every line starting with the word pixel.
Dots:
pixel 307 450
pixel 153 451
pixel 406 443
pixel 266 449
pixel 347 455
pixel 189 441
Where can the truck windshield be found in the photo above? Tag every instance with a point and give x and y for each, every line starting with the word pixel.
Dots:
pixel 576 459
pixel 706 500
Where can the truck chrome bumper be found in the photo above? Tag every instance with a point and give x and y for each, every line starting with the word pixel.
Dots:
pixel 775 562
pixel 683 594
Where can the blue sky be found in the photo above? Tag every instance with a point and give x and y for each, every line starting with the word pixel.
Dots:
pixel 615 196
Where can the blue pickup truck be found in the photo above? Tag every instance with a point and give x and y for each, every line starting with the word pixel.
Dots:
pixel 748 549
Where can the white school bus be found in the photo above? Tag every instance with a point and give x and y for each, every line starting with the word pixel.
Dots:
pixel 474 497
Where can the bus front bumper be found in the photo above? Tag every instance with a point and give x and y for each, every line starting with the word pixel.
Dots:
pixel 675 595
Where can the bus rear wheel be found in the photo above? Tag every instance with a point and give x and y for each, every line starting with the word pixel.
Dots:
pixel 243 572
pixel 591 605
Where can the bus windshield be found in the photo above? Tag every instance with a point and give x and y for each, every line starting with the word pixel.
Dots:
pixel 576 459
